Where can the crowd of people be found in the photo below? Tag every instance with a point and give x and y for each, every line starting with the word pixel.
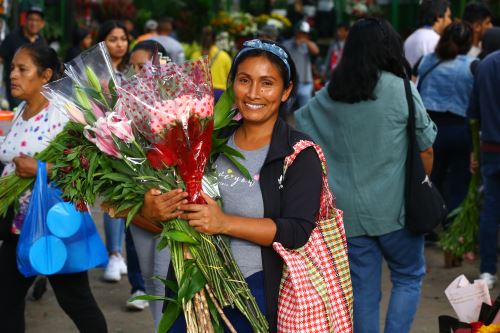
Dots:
pixel 359 119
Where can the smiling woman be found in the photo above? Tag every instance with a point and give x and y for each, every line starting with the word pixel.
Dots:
pixel 261 211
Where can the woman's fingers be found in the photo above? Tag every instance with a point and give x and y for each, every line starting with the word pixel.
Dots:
pixel 192 207
pixel 200 225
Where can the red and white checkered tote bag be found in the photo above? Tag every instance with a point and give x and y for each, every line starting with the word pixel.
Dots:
pixel 316 291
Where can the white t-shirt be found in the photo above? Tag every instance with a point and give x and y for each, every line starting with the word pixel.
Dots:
pixel 474 51
pixel 423 41
pixel 30 136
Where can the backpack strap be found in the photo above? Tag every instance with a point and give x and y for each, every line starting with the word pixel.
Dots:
pixel 327 200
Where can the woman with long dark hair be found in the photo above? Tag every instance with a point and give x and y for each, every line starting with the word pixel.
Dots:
pixel 115 36
pixel 360 120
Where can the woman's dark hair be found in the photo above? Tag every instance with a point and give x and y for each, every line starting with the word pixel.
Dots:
pixel 44 57
pixel 105 29
pixel 150 46
pixel 79 35
pixel 372 46
pixel 274 59
pixel 431 10
pixel 490 42
pixel 456 39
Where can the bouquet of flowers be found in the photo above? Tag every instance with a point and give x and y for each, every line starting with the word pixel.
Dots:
pixel 154 131
pixel 171 106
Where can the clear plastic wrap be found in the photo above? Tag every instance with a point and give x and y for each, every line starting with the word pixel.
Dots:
pixel 88 90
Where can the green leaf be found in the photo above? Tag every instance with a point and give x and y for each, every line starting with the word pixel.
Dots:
pixel 112 91
pixel 214 314
pixel 191 282
pixel 172 285
pixel 92 93
pixel 117 177
pixel 121 167
pixel 163 243
pixel 231 151
pixel 152 298
pixel 240 167
pixel 133 212
pixel 171 313
pixel 222 110
pixel 179 236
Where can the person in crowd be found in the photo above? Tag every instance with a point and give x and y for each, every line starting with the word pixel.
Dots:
pixel 360 120
pixel 132 32
pixel 268 32
pixel 479 17
pixel 81 41
pixel 302 48
pixel 219 60
pixel 435 15
pixel 445 83
pixel 143 52
pixel 37 122
pixel 115 36
pixel 29 33
pixel 150 30
pixel 490 42
pixel 263 78
pixel 170 44
pixel 336 49
pixel 484 106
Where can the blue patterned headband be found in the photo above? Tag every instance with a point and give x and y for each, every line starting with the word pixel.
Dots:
pixel 268 47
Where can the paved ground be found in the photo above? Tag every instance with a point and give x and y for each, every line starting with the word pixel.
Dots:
pixel 45 316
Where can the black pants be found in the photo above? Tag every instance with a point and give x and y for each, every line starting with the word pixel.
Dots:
pixel 72 292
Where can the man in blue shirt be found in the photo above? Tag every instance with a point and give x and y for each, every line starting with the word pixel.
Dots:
pixel 485 106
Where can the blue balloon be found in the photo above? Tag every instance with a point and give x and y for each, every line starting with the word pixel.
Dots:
pixel 48 255
pixel 63 220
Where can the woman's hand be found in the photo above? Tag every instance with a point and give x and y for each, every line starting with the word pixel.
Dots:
pixel 26 166
pixel 207 219
pixel 160 207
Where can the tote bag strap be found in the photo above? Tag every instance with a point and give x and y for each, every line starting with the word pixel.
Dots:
pixel 327 200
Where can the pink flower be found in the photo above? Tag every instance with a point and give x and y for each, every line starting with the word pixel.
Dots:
pixel 75 114
pixel 100 135
pixel 96 110
pixel 120 126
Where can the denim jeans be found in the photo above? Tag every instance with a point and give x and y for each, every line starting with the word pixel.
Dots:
pixel 404 254
pixel 114 230
pixel 240 323
pixel 133 269
pixel 490 212
pixel 450 172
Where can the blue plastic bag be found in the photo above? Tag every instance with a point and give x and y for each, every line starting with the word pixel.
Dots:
pixel 55 237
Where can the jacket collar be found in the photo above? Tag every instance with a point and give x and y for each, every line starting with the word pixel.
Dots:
pixel 281 143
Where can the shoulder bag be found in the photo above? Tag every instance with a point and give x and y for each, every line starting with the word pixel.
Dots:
pixel 425 207
pixel 316 291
